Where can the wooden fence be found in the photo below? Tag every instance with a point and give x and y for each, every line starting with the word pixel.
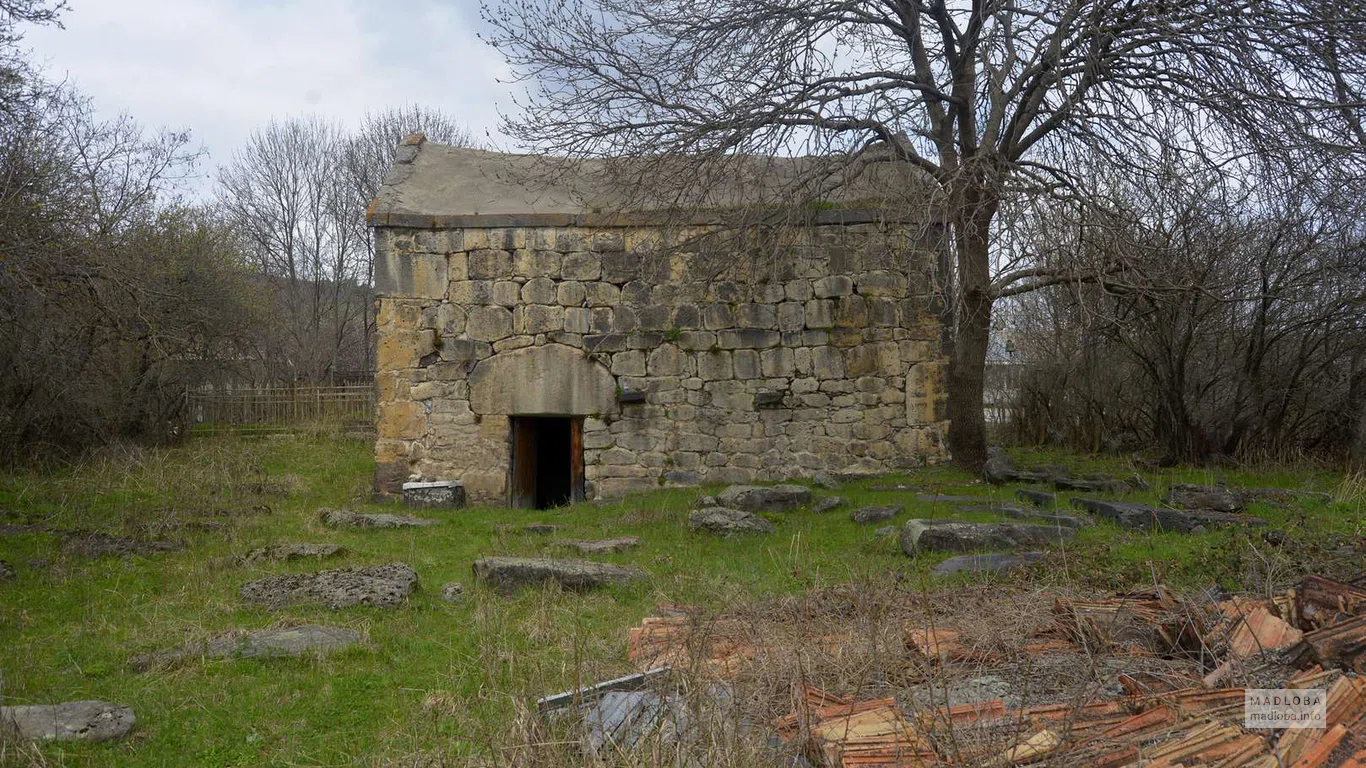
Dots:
pixel 282 408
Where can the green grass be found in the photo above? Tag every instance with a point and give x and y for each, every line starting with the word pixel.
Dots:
pixel 68 625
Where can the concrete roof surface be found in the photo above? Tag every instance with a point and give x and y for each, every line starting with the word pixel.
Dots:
pixel 454 183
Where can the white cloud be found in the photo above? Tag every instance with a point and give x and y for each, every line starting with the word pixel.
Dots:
pixel 223 67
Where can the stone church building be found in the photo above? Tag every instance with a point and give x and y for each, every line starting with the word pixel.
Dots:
pixel 540 346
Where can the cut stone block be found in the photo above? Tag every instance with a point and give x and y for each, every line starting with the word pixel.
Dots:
pixel 386 586
pixel 258 643
pixel 509 574
pixel 287 552
pixel 341 518
pixel 602 546
pixel 726 522
pixel 957 536
pixel 757 498
pixel 988 563
pixel 1140 517
pixel 443 494
pixel 71 721
pixel 870 515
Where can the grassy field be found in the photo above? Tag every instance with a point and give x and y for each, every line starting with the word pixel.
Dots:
pixel 444 680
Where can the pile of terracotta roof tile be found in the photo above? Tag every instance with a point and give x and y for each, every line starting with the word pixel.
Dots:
pixel 1310 637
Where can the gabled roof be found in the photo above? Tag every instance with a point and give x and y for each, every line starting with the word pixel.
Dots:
pixel 438 186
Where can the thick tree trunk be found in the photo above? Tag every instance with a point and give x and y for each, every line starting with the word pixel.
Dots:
pixel 967 363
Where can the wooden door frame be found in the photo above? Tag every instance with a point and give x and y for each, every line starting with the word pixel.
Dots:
pixel 517 497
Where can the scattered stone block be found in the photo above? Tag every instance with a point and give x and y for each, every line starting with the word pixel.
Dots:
pixel 509 574
pixel 757 498
pixel 957 536
pixel 826 504
pixel 541 529
pixel 1037 498
pixel 254 644
pixel 999 470
pixel 707 501
pixel 1091 485
pixel 1279 495
pixel 602 546
pixel 71 721
pixel 870 515
pixel 385 586
pixel 452 592
pixel 988 563
pixel 342 518
pixel 288 552
pixel 1140 517
pixel 442 494
pixel 886 530
pixel 727 522
pixel 1185 496
pixel 937 498
pixel 6 571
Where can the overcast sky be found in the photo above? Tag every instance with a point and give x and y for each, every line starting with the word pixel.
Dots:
pixel 223 67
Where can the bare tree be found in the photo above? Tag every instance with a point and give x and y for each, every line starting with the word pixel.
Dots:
pixel 989 98
pixel 287 193
pixel 113 296
pixel 1226 321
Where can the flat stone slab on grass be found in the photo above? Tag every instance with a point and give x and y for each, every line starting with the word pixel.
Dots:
pixel 287 552
pixel 541 528
pixel 764 498
pixel 1037 498
pixel 602 546
pixel 72 721
pixel 1140 517
pixel 1042 518
pixel 726 522
pixel 254 644
pixel 1092 485
pixel 826 504
pixel 957 536
pixel 870 515
pixel 385 586
pixel 991 563
pixel 95 544
pixel 1185 496
pixel 509 574
pixel 342 518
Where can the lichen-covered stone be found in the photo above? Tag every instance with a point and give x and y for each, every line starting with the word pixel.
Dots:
pixel 384 586
pixel 70 721
pixel 727 522
pixel 871 515
pixel 509 574
pixel 252 644
pixel 288 552
pixel 774 498
pixel 342 518
pixel 957 536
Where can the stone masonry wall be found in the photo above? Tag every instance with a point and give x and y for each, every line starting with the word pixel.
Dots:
pixel 820 350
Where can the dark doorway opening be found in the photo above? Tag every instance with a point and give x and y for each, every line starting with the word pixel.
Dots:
pixel 547 461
